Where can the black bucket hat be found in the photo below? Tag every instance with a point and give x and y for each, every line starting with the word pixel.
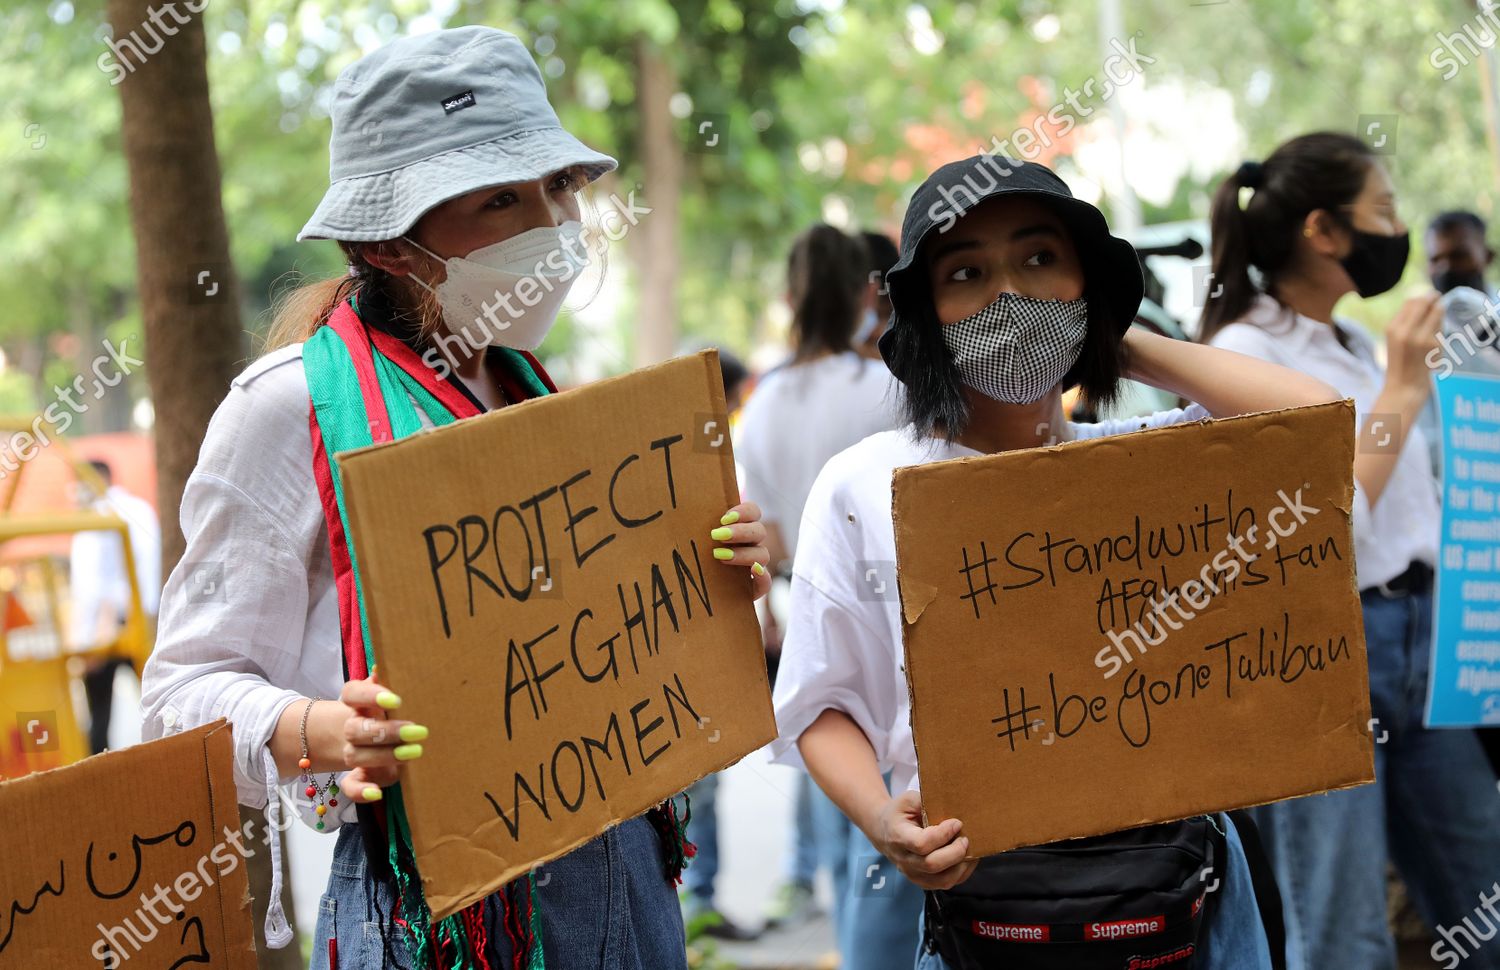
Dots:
pixel 1111 268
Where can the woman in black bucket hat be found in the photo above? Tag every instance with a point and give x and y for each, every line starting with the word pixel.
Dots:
pixel 1009 291
pixel 454 196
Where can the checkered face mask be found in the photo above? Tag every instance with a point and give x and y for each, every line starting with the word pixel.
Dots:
pixel 1017 349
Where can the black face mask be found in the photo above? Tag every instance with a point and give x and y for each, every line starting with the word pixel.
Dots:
pixel 1376 262
pixel 1449 280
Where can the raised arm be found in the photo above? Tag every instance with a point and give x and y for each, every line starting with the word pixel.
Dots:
pixel 1223 382
pixel 1410 340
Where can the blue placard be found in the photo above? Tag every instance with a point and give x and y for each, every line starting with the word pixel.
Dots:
pixel 1464 689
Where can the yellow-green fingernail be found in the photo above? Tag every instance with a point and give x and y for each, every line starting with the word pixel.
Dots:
pixel 413 732
pixel 723 533
pixel 388 700
pixel 408 752
pixel 757 569
pixel 373 794
pixel 730 518
pixel 723 553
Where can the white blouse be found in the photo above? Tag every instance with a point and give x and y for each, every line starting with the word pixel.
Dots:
pixel 843 646
pixel 798 417
pixel 1403 526
pixel 249 618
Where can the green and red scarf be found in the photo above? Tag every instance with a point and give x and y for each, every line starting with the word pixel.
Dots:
pixel 366 387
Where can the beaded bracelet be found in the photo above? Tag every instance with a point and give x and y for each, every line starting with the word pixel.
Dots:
pixel 318 796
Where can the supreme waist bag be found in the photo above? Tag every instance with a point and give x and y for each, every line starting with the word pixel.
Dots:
pixel 1131 900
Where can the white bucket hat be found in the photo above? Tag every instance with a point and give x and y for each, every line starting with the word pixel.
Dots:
pixel 428 118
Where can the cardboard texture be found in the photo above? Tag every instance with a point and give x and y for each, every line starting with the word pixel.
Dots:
pixel 542 594
pixel 133 858
pixel 1038 717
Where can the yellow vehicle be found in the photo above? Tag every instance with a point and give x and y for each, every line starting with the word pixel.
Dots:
pixel 41 660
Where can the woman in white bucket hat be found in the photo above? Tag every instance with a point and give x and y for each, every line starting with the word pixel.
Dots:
pixel 453 183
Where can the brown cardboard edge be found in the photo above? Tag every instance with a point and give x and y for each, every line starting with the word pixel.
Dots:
pixel 443 907
pixel 981 851
pixel 1346 404
pixel 713 374
pixel 910 615
pixel 218 745
pixel 440 906
pixel 202 739
pixel 352 457
pixel 899 479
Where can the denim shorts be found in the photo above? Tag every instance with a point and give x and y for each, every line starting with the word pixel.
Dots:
pixel 607 905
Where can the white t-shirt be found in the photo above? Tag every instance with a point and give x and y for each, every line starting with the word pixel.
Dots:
pixel 1403 526
pixel 843 639
pixel 800 416
pixel 96 573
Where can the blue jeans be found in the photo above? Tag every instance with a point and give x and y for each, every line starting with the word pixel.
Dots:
pixel 878 928
pixel 833 834
pixel 1433 808
pixel 703 832
pixel 802 861
pixel 605 905
pixel 1235 938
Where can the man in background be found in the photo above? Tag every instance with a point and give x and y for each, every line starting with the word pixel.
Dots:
pixel 1457 257
pixel 1457 253
pixel 101 588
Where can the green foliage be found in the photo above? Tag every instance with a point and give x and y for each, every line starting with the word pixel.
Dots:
pixel 702 953
pixel 832 110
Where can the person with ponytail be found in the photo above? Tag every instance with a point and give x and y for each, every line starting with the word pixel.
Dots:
pixel 826 391
pixel 1293 235
pixel 821 401
pixel 455 197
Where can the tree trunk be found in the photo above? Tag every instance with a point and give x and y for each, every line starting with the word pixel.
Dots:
pixel 187 287
pixel 653 244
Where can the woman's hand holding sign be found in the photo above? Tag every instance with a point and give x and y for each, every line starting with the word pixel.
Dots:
pixel 931 857
pixel 374 744
pixel 742 542
pixel 841 760
pixel 358 735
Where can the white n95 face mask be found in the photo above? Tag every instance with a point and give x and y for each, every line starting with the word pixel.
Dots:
pixel 1017 349
pixel 508 293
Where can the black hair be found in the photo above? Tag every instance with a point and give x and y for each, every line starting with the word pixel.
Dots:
pixel 826 276
pixel 1457 219
pixel 102 469
pixel 882 251
pixel 733 370
pixel 932 398
pixel 1323 170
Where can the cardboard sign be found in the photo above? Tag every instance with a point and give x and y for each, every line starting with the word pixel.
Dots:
pixel 130 859
pixel 1464 689
pixel 542 594
pixel 1128 630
